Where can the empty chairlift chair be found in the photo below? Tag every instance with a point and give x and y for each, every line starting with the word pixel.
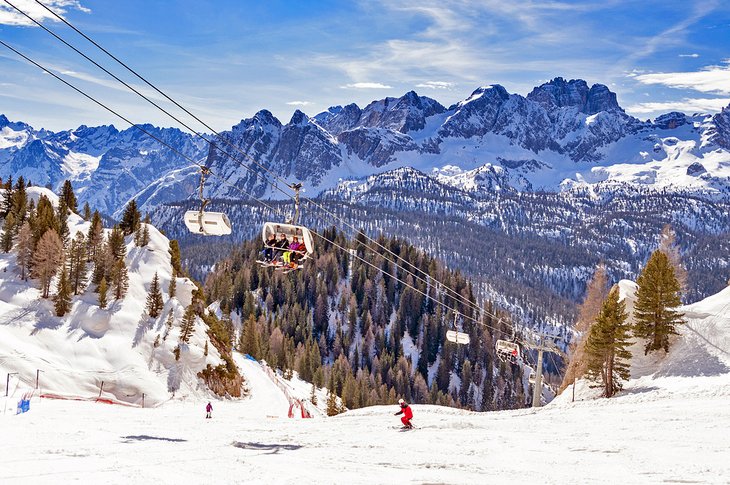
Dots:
pixel 208 223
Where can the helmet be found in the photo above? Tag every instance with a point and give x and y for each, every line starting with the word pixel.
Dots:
pixel 401 402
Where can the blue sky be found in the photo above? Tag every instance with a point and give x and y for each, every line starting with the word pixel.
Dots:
pixel 227 59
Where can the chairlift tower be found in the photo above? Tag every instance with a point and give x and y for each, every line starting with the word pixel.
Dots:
pixel 541 345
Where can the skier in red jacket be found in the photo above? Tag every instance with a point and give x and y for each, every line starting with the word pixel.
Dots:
pixel 208 410
pixel 405 410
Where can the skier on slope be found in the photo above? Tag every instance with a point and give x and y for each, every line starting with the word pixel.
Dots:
pixel 208 410
pixel 407 413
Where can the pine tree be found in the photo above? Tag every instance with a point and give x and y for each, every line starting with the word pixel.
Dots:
pixel 45 219
pixel 117 246
pixel 175 257
pixel 102 293
pixel 67 195
pixel 313 395
pixel 6 240
pixel 87 212
pixel 606 345
pixel 77 263
pixel 145 239
pixel 655 317
pixel 7 201
pixel 25 250
pixel 130 219
pixel 47 258
pixel 120 279
pixel 172 288
pixel 95 237
pixel 668 245
pixel 188 324
pixel 250 338
pixel 63 296
pixel 103 263
pixel 154 298
pixel 19 201
pixel 205 350
pixel 168 323
pixel 62 217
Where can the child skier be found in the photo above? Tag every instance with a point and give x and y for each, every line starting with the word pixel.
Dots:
pixel 208 410
pixel 405 410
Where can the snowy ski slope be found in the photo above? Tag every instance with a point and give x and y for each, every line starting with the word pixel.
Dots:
pixel 669 425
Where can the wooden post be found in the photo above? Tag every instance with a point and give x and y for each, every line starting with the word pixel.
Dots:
pixel 101 389
pixel 143 400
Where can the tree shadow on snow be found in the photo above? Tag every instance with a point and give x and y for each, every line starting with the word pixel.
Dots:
pixel 144 437
pixel 272 448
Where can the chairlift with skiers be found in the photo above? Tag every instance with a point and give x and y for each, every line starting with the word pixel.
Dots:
pixel 278 238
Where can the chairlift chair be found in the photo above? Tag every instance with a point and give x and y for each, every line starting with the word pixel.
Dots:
pixel 531 378
pixel 508 351
pixel 206 223
pixel 290 229
pixel 459 338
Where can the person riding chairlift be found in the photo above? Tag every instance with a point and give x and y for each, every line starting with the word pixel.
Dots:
pixel 281 244
pixel 269 247
pixel 292 256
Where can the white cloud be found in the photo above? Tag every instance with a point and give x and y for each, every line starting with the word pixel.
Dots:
pixel 711 79
pixel 367 86
pixel 300 103
pixel 695 55
pixel 435 85
pixel 10 16
pixel 687 105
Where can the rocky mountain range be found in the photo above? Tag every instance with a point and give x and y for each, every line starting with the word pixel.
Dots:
pixel 562 134
pixel 552 182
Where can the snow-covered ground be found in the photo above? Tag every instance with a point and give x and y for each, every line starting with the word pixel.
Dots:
pixel 669 425
pixel 108 352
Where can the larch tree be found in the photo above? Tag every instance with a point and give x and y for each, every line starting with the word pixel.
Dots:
pixel 596 293
pixel 154 298
pixel 77 263
pixel 24 249
pixel 47 258
pixel 102 293
pixel 607 345
pixel 658 296
pixel 62 300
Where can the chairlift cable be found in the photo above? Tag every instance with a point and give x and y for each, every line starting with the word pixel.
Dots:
pixel 459 297
pixel 454 293
pixel 48 71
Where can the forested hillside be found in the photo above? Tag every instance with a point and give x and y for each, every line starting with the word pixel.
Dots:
pixel 351 325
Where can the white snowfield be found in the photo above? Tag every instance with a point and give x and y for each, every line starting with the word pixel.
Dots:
pixel 670 424
pixel 90 346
